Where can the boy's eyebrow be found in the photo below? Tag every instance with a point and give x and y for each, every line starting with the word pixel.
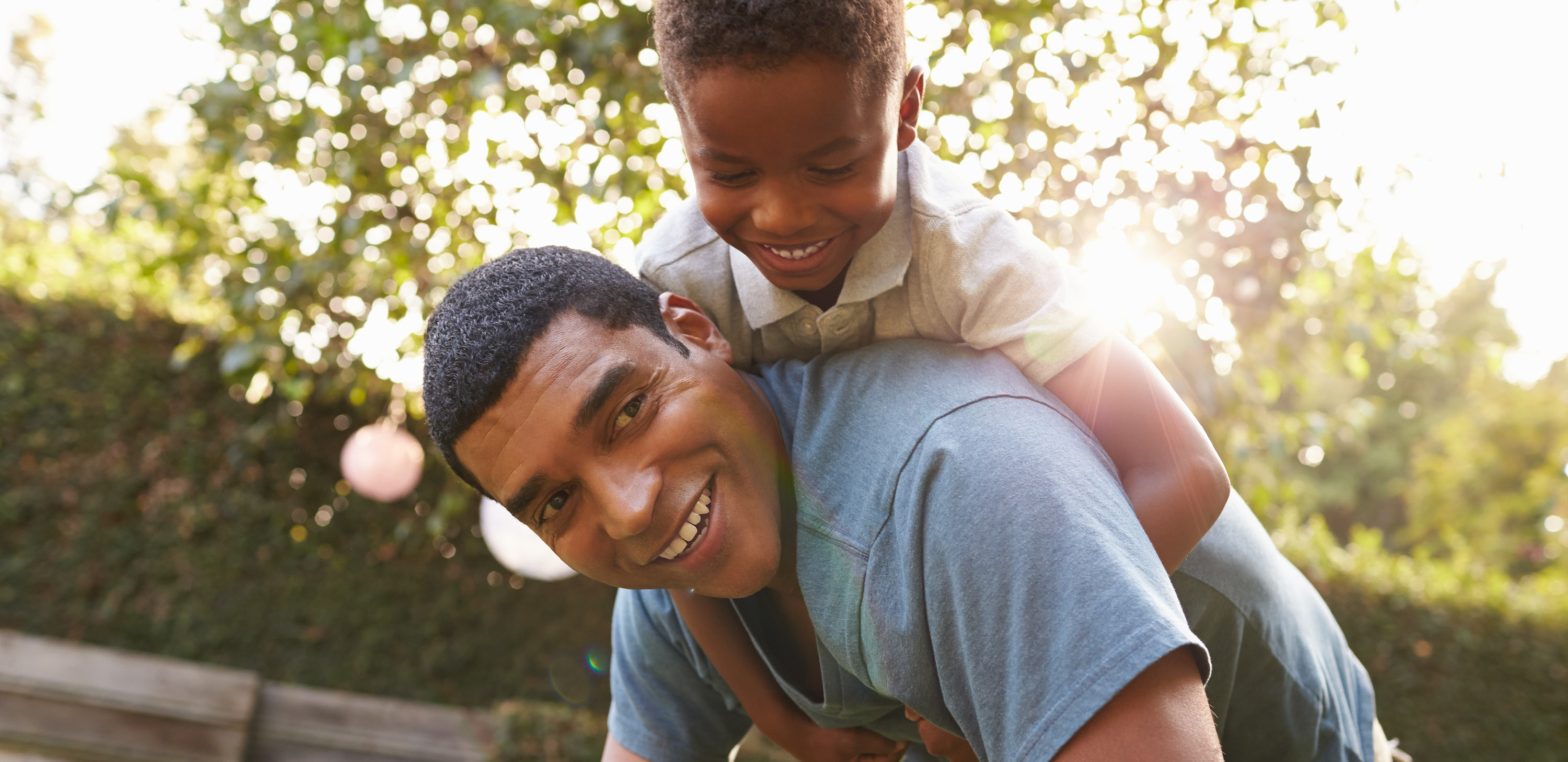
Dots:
pixel 838 144
pixel 848 141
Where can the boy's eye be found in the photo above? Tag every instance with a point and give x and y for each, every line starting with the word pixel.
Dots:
pixel 834 172
pixel 729 178
pixel 553 505
pixel 628 412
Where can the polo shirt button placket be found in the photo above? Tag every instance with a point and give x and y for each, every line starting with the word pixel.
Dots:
pixel 809 332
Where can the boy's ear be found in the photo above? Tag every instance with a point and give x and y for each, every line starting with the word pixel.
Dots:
pixel 913 94
pixel 686 320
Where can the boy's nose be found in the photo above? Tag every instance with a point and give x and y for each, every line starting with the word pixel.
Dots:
pixel 782 212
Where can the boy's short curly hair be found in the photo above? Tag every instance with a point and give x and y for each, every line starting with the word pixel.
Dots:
pixel 693 36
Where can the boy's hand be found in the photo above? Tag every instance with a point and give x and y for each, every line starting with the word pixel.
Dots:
pixel 940 742
pixel 812 742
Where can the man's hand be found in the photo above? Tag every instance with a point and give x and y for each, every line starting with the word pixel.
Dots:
pixel 812 742
pixel 940 742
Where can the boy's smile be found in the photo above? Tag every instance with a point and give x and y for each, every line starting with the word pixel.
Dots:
pixel 795 167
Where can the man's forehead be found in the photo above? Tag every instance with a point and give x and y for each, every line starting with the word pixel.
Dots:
pixel 560 370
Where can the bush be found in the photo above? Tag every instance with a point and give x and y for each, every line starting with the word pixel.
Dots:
pixel 1467 663
pixel 149 509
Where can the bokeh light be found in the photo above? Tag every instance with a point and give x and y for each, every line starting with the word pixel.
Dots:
pixel 516 547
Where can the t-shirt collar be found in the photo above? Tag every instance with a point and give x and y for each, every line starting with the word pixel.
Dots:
pixel 879 266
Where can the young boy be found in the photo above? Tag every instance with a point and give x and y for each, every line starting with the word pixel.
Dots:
pixel 820 224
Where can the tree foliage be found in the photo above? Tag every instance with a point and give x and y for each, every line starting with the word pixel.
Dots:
pixel 353 158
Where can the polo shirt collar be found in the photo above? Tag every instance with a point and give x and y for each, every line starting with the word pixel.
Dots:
pixel 878 267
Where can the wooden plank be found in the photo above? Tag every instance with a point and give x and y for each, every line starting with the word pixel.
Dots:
pixel 81 702
pixel 300 724
pixel 153 685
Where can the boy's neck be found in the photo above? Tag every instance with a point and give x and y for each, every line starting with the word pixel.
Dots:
pixel 824 298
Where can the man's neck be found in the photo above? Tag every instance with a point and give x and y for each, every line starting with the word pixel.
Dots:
pixel 797 641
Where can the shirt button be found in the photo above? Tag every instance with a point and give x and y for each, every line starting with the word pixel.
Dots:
pixel 808 325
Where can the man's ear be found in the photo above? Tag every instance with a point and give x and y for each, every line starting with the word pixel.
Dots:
pixel 686 320
pixel 913 94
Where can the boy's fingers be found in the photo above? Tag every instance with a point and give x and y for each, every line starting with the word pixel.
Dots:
pixel 870 742
pixel 942 743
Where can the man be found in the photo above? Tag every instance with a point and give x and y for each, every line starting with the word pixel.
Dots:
pixel 908 524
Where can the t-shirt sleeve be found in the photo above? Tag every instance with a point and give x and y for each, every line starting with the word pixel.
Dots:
pixel 1040 595
pixel 996 286
pixel 665 701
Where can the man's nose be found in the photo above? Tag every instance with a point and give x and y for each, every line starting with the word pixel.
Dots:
pixel 782 211
pixel 628 495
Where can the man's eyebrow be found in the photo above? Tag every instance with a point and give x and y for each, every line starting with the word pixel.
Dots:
pixel 524 496
pixel 595 400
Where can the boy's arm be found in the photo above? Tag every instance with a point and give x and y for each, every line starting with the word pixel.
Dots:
pixel 1173 477
pixel 725 643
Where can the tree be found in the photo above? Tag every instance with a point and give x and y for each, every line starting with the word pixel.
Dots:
pixel 354 158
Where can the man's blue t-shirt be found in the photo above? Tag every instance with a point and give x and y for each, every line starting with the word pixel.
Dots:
pixel 965 547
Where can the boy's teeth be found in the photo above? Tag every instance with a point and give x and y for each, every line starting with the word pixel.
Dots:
pixel 800 252
pixel 690 529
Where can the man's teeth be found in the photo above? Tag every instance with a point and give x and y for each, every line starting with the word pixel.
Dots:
pixel 799 252
pixel 689 530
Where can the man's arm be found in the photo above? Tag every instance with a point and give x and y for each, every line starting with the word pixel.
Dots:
pixel 1041 597
pixel 1162 714
pixel 665 700
pixel 615 752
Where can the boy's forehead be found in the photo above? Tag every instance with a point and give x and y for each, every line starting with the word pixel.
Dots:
pixel 736 103
pixel 859 81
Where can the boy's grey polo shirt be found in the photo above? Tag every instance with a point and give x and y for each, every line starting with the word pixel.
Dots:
pixel 912 458
pixel 949 265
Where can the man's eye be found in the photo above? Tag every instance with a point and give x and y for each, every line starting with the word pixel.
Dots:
pixel 553 505
pixel 628 412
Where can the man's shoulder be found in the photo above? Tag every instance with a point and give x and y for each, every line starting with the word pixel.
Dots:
pixel 680 246
pixel 854 418
pixel 917 373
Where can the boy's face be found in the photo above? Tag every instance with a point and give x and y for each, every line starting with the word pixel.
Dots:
pixel 794 167
pixel 640 467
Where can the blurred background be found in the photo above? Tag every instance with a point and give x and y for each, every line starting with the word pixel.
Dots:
pixel 223 223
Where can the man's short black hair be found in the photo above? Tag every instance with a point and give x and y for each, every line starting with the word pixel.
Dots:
pixel 694 36
pixel 479 335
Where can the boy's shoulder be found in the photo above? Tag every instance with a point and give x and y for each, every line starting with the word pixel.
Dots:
pixel 937 187
pixel 681 238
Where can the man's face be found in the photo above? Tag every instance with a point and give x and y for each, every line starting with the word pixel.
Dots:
pixel 794 167
pixel 641 468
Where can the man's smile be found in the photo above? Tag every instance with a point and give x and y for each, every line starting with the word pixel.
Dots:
pixel 693 530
